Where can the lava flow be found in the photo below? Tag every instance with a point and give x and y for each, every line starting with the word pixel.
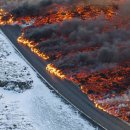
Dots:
pixel 31 45
pixel 53 70
pixel 86 43
pixel 5 20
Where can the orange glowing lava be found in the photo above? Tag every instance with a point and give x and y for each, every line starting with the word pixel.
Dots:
pixel 98 85
pixel 32 45
pixel 53 70
pixel 9 20
pixel 67 13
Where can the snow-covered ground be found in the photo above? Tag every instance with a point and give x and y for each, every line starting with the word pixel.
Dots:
pixel 36 108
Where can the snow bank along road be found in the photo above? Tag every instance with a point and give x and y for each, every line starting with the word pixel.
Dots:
pixel 35 108
pixel 71 92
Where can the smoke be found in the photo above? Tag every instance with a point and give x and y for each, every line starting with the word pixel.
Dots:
pixel 36 34
pixel 29 9
pixel 21 8
pixel 40 7
pixel 86 42
pixel 12 4
pixel 20 2
pixel 94 52
pixel 122 5
pixel 15 4
pixel 105 2
pixel 101 2
pixel 124 9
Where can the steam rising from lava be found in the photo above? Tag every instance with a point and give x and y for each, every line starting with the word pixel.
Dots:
pixel 87 42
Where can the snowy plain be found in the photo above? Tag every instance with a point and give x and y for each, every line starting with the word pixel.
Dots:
pixel 37 108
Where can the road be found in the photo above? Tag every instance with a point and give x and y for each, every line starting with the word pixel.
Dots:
pixel 67 89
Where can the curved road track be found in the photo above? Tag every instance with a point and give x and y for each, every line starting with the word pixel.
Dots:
pixel 70 91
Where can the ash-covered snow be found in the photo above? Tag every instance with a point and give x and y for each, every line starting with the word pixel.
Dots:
pixel 36 108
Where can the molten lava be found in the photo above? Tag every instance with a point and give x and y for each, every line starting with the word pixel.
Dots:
pixel 71 56
pixel 53 70
pixel 67 13
pixel 5 18
pixel 61 13
pixel 32 45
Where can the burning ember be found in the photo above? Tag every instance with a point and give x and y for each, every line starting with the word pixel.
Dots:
pixel 86 43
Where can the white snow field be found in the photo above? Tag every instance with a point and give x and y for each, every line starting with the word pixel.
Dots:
pixel 32 109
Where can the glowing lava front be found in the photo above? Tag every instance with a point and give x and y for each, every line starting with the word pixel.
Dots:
pixel 53 70
pixel 32 45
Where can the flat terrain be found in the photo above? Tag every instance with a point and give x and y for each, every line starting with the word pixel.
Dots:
pixel 70 91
